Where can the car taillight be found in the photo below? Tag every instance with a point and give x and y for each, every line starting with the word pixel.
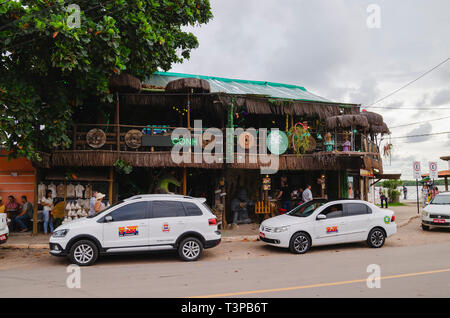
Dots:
pixel 393 218
pixel 212 221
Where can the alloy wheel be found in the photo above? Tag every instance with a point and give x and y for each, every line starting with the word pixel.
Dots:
pixel 377 238
pixel 191 249
pixel 83 253
pixel 301 243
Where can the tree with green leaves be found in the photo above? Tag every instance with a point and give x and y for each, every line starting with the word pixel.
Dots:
pixel 55 57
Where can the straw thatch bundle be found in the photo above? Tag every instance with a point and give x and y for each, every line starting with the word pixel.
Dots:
pixel 347 121
pixel 125 83
pixel 188 85
pixel 381 129
pixel 373 118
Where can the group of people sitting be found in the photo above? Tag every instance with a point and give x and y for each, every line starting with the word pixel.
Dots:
pixel 19 215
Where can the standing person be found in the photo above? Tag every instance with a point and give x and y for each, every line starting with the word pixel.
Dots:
pixel 12 208
pixel 47 203
pixel 383 198
pixel 307 194
pixel 99 205
pixel 405 192
pixel 284 195
pixel 424 195
pixel 436 191
pixel 25 215
pixel 92 202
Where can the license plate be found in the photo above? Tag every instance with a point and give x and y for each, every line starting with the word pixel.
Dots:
pixel 438 220
pixel 262 235
pixel 2 237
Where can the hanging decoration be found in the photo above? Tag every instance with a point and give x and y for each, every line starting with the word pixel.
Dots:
pixel 96 138
pixel 180 110
pixel 301 140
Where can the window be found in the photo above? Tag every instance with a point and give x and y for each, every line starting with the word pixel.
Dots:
pixel 192 209
pixel 307 208
pixel 357 209
pixel 333 211
pixel 132 211
pixel 167 209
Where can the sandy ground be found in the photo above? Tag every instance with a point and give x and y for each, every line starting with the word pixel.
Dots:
pixel 408 235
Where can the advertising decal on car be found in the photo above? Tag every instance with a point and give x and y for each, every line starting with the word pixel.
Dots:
pixel 128 230
pixel 166 227
pixel 332 229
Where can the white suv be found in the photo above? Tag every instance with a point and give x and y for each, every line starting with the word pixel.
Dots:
pixel 140 223
pixel 4 231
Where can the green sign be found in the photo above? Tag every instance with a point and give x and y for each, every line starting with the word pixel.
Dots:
pixel 184 141
pixel 277 142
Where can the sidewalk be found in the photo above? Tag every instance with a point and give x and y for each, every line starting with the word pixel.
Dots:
pixel 243 232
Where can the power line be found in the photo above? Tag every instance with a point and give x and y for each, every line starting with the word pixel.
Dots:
pixel 422 135
pixel 419 122
pixel 413 81
pixel 409 108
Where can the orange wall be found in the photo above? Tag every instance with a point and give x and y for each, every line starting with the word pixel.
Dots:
pixel 22 184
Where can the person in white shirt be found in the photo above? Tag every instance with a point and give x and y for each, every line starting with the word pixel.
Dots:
pixel 307 194
pixel 92 202
pixel 47 203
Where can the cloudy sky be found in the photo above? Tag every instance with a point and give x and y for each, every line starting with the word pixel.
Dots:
pixel 327 47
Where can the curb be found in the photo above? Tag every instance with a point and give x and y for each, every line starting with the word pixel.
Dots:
pixel 409 220
pixel 242 238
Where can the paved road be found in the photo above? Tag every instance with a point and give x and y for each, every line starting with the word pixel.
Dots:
pixel 336 271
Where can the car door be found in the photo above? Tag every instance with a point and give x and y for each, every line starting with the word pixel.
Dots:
pixel 357 221
pixel 128 227
pixel 167 221
pixel 330 230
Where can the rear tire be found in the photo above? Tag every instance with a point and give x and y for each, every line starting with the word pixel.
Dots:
pixel 376 238
pixel 425 227
pixel 190 249
pixel 300 243
pixel 83 253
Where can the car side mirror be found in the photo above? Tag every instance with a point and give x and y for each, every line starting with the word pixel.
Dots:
pixel 321 217
pixel 108 218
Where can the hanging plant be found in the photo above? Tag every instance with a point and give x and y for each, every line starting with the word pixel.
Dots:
pixel 123 167
pixel 300 139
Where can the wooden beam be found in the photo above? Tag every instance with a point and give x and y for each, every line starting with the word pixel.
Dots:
pixel 111 182
pixel 35 202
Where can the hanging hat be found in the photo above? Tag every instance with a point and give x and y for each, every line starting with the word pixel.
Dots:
pixel 99 196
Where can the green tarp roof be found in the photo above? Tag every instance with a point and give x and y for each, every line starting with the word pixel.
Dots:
pixel 241 87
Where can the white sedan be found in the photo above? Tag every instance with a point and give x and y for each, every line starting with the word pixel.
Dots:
pixel 437 213
pixel 323 222
pixel 4 231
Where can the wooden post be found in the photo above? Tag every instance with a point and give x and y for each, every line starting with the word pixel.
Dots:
pixel 446 183
pixel 111 182
pixel 35 202
pixel 74 137
pixel 118 123
pixel 339 184
pixel 184 181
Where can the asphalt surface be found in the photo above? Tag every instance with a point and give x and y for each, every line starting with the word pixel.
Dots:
pixel 262 271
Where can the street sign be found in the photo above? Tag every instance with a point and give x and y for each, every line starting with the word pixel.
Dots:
pixel 416 170
pixel 433 170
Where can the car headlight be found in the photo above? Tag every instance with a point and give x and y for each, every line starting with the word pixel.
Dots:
pixel 60 233
pixel 281 229
pixel 425 214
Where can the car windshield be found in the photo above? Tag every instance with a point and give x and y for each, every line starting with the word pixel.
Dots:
pixel 441 199
pixel 105 210
pixel 307 208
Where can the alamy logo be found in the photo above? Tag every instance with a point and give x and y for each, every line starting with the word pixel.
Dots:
pixel 373 281
pixel 74 279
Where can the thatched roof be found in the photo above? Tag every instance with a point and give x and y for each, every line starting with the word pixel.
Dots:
pixel 346 121
pixel 188 85
pixel 125 83
pixel 376 123
pixel 382 129
pixel 373 118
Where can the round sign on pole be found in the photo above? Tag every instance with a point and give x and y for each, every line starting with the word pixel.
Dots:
pixel 433 170
pixel 416 170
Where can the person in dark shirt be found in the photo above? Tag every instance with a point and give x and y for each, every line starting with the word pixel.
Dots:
pixel 285 195
pixel 24 215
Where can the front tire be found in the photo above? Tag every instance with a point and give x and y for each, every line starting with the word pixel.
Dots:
pixel 300 243
pixel 83 253
pixel 190 249
pixel 376 238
